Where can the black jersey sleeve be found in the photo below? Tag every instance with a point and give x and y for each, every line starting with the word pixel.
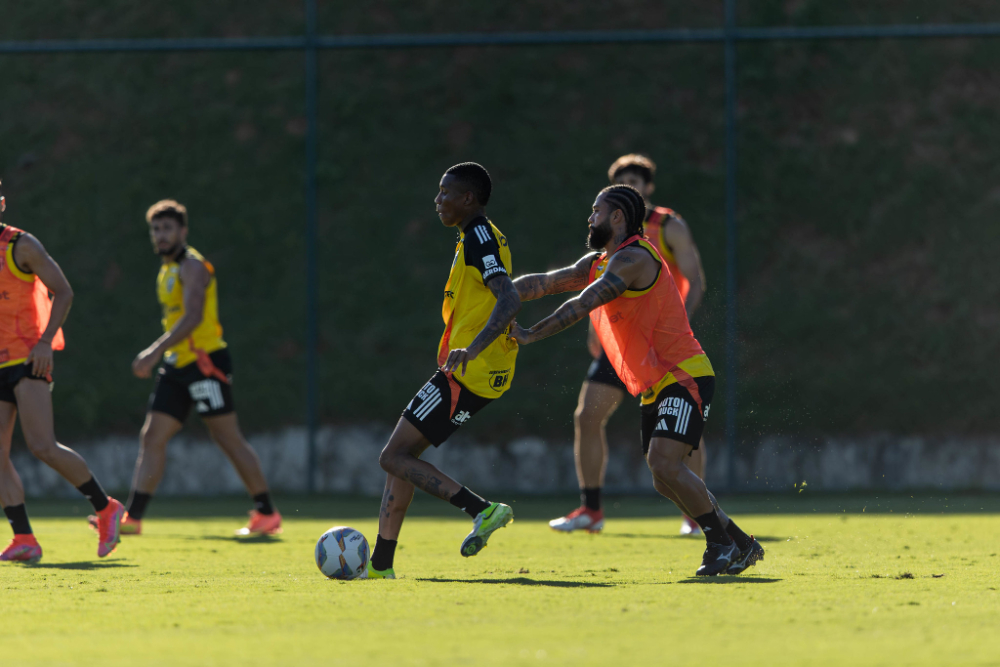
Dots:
pixel 483 252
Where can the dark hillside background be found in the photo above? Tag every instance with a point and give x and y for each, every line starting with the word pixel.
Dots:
pixel 869 199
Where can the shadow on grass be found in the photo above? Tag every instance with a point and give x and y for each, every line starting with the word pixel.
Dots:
pixel 239 539
pixel 729 580
pixel 675 536
pixel 521 581
pixel 81 565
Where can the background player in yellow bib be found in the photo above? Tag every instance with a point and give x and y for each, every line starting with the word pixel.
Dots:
pixel 196 372
pixel 476 359
pixel 603 391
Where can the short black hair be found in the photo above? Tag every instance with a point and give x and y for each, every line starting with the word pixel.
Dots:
pixel 630 202
pixel 475 177
pixel 635 164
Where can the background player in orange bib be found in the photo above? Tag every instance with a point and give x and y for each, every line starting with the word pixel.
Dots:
pixel 29 331
pixel 638 315
pixel 196 372
pixel 603 391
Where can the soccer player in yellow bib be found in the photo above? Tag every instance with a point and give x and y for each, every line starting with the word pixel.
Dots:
pixel 476 363
pixel 196 372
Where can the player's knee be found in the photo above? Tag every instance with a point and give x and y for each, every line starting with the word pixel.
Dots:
pixel 666 468
pixel 386 460
pixel 43 450
pixel 587 417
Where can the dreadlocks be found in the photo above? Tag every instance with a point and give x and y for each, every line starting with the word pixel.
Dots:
pixel 628 200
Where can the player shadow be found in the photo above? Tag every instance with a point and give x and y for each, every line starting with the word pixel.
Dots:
pixel 239 539
pixel 723 579
pixel 677 536
pixel 521 581
pixel 81 565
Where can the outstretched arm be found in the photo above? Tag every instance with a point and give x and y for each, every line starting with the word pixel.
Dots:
pixel 569 279
pixel 507 306
pixel 602 291
pixel 30 254
pixel 624 268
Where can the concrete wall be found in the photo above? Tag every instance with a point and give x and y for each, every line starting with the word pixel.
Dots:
pixel 348 463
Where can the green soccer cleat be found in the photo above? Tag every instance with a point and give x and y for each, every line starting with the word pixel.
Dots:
pixel 497 515
pixel 372 573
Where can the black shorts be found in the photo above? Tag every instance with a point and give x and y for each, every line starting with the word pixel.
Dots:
pixel 11 375
pixel 441 407
pixel 675 414
pixel 177 389
pixel 601 371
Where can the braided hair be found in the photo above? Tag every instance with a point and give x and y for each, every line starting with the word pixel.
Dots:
pixel 628 200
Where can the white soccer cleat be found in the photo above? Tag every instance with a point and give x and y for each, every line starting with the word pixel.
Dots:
pixel 690 527
pixel 579 519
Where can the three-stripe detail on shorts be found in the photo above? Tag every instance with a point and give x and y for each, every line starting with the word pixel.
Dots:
pixel 432 398
pixel 682 414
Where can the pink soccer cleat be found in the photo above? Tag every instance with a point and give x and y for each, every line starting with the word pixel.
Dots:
pixel 23 548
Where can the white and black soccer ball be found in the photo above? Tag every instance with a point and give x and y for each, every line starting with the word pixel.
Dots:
pixel 342 553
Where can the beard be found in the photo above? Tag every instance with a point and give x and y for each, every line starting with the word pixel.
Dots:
pixel 599 236
pixel 169 252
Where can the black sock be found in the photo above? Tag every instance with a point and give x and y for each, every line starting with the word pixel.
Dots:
pixel 591 498
pixel 469 502
pixel 384 553
pixel 17 515
pixel 137 504
pixel 712 527
pixel 743 541
pixel 94 493
pixel 262 503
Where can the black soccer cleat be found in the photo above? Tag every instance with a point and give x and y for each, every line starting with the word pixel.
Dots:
pixel 717 559
pixel 747 558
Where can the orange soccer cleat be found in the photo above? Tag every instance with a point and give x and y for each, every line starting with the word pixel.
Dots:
pixel 109 522
pixel 129 526
pixel 262 524
pixel 579 519
pixel 23 548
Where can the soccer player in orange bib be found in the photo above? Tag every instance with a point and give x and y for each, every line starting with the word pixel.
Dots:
pixel 603 391
pixel 196 373
pixel 640 320
pixel 29 332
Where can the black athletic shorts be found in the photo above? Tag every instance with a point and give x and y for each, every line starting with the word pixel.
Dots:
pixel 442 406
pixel 177 389
pixel 11 375
pixel 602 372
pixel 675 414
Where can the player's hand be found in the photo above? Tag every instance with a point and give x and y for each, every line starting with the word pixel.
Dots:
pixel 40 359
pixel 144 362
pixel 460 357
pixel 519 333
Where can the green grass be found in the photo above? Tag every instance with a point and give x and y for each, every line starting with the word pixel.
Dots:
pixel 845 579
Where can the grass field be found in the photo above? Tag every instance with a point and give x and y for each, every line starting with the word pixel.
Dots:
pixel 867 580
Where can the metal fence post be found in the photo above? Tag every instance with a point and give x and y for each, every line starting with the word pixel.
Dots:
pixel 312 285
pixel 731 241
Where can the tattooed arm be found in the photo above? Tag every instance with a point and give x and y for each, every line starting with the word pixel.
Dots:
pixel 623 269
pixel 508 305
pixel 569 279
